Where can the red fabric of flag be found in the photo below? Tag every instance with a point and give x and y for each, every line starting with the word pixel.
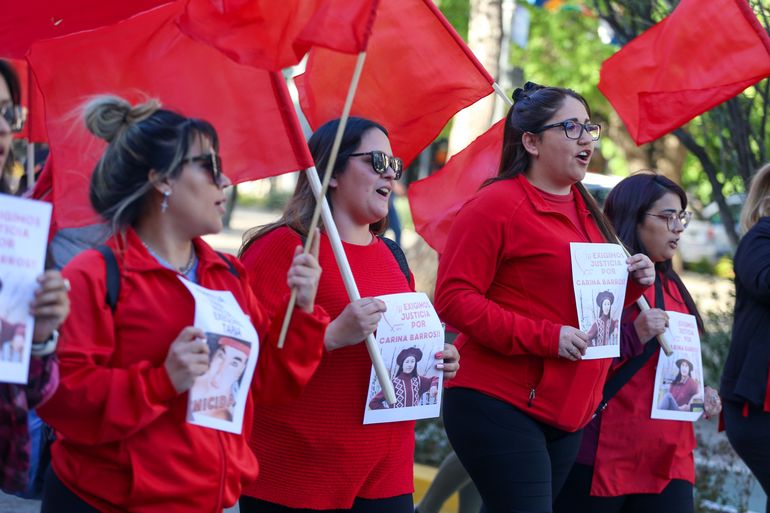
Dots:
pixel 147 56
pixel 435 200
pixel 275 34
pixel 418 73
pixel 701 55
pixel 25 21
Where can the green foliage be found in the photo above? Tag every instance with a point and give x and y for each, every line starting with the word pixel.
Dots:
pixel 431 444
pixel 457 13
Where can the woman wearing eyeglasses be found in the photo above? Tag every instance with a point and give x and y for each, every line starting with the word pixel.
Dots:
pixel 746 378
pixel 515 410
pixel 10 120
pixel 629 462
pixel 314 452
pixel 120 411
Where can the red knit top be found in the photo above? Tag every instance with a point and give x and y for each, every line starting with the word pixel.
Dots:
pixel 315 452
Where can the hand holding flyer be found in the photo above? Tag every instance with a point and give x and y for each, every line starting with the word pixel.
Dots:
pixel 23 238
pixel 678 393
pixel 599 276
pixel 409 335
pixel 218 397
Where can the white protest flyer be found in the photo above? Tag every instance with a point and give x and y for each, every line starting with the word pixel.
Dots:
pixel 23 239
pixel 678 393
pixel 217 399
pixel 599 277
pixel 409 336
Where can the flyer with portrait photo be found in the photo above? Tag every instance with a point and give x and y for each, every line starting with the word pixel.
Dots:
pixel 599 278
pixel 409 335
pixel 23 240
pixel 217 399
pixel 678 393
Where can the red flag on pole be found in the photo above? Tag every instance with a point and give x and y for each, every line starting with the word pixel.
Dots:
pixel 701 55
pixel 147 56
pixel 435 200
pixel 418 74
pixel 273 34
pixel 26 21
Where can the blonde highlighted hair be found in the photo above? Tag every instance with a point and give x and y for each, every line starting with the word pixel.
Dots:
pixel 758 200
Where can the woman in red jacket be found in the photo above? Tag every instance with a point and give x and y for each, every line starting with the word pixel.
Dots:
pixel 120 411
pixel 629 462
pixel 315 452
pixel 514 412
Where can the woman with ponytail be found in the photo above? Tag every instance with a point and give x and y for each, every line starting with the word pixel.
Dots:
pixel 127 366
pixel 515 410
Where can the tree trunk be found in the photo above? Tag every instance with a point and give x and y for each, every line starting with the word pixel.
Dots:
pixel 484 38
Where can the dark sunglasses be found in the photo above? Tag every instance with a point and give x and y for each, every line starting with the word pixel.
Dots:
pixel 13 115
pixel 210 162
pixel 381 161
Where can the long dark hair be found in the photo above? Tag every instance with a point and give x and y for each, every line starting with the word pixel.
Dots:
pixel 533 106
pixel 11 79
pixel 299 210
pixel 626 206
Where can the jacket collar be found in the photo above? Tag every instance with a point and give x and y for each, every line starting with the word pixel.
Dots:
pixel 134 256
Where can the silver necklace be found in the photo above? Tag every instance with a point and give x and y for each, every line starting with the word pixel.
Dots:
pixel 182 270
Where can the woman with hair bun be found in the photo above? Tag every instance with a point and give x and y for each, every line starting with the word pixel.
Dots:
pixel 515 410
pixel 126 369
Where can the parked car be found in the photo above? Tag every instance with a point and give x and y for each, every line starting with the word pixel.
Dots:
pixel 705 238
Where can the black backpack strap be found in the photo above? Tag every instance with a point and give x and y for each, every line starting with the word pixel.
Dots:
pixel 399 255
pixel 112 274
pixel 230 266
pixel 627 371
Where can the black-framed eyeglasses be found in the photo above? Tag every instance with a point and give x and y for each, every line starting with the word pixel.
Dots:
pixel 211 162
pixel 574 130
pixel 13 115
pixel 381 161
pixel 671 217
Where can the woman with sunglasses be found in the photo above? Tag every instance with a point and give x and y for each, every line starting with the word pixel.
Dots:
pixel 50 307
pixel 120 411
pixel 629 462
pixel 746 378
pixel 515 410
pixel 314 452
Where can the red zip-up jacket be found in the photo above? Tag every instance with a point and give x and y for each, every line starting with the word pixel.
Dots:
pixel 505 282
pixel 123 442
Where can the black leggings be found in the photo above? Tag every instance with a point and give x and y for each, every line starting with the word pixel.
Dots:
pixel 575 497
pixel 750 437
pixel 57 498
pixel 517 463
pixel 397 504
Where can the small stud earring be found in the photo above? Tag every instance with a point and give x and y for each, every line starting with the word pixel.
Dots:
pixel 164 203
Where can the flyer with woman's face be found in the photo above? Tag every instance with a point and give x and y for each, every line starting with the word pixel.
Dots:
pixel 678 392
pixel 599 278
pixel 409 335
pixel 217 399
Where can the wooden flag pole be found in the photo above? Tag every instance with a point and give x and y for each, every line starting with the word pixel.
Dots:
pixel 327 177
pixel 350 285
pixel 642 301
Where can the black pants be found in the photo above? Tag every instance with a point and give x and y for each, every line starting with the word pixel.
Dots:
pixel 57 498
pixel 517 463
pixel 750 437
pixel 575 497
pixel 398 504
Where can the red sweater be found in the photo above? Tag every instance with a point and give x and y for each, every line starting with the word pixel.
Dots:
pixel 637 454
pixel 505 282
pixel 315 452
pixel 123 443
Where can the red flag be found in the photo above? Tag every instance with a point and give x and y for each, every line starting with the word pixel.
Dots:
pixel 435 200
pixel 147 56
pixel 418 73
pixel 275 34
pixel 701 55
pixel 25 21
